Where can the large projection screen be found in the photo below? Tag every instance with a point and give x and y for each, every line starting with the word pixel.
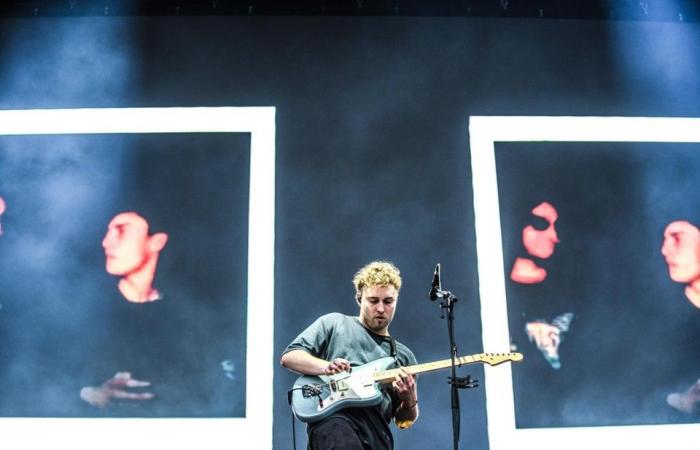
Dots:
pixel 485 134
pixel 255 429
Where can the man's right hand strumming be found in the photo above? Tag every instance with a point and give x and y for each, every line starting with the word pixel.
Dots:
pixel 303 362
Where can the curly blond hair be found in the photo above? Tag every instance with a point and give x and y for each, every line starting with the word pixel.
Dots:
pixel 376 273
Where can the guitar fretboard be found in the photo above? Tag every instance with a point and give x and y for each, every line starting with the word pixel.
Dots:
pixel 387 376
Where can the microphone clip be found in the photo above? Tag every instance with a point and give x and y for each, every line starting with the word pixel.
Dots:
pixel 463 382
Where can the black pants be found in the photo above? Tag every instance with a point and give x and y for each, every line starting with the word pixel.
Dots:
pixel 335 433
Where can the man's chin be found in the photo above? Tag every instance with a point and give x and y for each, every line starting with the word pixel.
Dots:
pixel 679 277
pixel 379 324
pixel 115 271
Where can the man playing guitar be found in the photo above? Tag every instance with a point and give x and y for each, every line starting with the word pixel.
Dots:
pixel 335 343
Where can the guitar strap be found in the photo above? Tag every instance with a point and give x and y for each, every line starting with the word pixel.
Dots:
pixel 392 347
pixel 392 343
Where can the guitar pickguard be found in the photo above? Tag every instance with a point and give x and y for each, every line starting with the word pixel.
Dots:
pixel 345 387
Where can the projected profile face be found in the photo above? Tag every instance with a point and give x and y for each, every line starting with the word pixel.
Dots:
pixel 681 249
pixel 132 253
pixel 541 243
pixel 126 244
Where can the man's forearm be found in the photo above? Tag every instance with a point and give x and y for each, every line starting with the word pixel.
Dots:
pixel 303 362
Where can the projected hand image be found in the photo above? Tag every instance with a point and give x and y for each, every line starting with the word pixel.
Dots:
pixel 228 366
pixel 120 387
pixel 548 337
pixel 3 207
pixel 539 241
pixel 688 401
pixel 681 249
pixel 132 253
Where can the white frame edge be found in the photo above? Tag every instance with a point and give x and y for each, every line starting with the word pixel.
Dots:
pixel 500 410
pixel 253 431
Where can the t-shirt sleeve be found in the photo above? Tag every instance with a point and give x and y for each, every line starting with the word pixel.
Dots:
pixel 313 339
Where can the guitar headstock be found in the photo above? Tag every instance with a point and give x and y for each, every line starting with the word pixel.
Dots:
pixel 493 359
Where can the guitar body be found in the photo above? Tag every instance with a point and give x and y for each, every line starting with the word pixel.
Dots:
pixel 315 398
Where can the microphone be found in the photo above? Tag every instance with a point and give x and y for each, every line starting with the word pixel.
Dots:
pixel 435 287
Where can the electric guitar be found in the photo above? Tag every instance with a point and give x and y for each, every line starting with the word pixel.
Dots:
pixel 316 397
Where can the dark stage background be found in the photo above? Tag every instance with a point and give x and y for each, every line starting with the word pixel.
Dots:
pixel 372 140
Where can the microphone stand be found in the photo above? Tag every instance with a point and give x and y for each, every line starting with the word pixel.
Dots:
pixel 456 383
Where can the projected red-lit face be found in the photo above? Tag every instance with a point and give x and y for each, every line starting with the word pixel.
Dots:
pixel 681 249
pixel 541 243
pixel 127 244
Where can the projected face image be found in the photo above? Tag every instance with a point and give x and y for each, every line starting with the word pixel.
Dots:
pixel 133 254
pixel 3 207
pixel 539 243
pixel 681 249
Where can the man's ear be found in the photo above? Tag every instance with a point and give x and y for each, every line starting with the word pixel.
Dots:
pixel 157 242
pixel 358 297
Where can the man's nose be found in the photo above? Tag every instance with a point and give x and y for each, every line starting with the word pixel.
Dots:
pixel 666 248
pixel 107 240
pixel 552 232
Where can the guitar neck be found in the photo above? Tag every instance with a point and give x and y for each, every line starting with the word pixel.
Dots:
pixel 387 376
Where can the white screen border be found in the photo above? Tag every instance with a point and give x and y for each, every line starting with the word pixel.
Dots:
pixel 484 132
pixel 253 431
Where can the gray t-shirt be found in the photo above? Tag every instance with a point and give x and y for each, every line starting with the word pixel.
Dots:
pixel 336 335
